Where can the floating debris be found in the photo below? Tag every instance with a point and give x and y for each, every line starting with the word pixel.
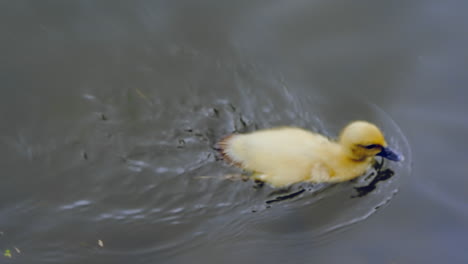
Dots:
pixel 17 250
pixel 100 243
pixel 141 94
pixel 204 177
pixel 181 143
pixel 7 253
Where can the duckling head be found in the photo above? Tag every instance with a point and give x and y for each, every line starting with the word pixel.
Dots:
pixel 362 140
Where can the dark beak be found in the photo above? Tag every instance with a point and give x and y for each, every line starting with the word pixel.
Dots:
pixel 390 154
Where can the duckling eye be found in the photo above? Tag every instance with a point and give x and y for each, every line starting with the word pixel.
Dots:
pixel 371 146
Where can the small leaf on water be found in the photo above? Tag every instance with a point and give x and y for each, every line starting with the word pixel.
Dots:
pixel 7 253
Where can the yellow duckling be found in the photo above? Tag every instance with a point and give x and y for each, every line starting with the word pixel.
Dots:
pixel 288 155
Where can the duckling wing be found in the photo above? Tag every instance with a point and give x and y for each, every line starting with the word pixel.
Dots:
pixel 277 151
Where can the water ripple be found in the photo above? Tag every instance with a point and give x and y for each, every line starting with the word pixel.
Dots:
pixel 152 183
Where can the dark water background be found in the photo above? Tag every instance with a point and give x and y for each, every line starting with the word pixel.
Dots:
pixel 109 111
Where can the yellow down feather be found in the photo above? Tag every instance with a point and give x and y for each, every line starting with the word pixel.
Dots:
pixel 287 155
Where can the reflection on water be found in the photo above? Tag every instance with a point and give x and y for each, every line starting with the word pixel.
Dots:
pixel 137 162
pixel 111 112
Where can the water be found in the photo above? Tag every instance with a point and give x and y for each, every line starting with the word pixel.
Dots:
pixel 111 111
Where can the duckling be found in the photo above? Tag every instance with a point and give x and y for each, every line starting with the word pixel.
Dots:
pixel 287 155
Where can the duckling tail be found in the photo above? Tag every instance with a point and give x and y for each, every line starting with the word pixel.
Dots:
pixel 223 148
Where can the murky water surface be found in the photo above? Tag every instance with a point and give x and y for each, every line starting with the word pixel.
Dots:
pixel 111 110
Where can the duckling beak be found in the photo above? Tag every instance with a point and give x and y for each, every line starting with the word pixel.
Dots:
pixel 390 154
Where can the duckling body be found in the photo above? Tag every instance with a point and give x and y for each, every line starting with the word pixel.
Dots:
pixel 287 155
